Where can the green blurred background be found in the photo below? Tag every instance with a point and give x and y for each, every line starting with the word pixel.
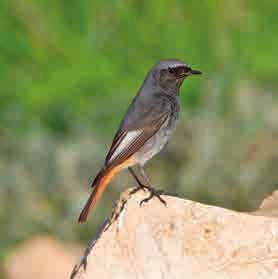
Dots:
pixel 68 70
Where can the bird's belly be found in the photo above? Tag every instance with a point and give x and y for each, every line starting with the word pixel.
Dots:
pixel 156 143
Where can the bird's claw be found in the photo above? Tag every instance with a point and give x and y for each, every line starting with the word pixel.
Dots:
pixel 135 190
pixel 154 193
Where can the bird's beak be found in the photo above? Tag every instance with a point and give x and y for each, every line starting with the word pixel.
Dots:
pixel 195 72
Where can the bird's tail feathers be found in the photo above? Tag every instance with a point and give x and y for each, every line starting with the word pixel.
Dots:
pixel 100 183
pixel 98 177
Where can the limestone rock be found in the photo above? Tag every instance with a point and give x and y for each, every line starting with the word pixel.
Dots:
pixel 184 239
pixel 269 206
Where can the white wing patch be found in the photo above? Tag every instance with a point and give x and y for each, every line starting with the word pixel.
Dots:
pixel 127 140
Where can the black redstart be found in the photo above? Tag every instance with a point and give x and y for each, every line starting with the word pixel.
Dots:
pixel 145 129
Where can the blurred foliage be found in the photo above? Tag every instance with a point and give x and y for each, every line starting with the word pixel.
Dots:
pixel 61 61
pixel 68 70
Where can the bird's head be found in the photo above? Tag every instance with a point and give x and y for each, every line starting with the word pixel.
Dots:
pixel 171 73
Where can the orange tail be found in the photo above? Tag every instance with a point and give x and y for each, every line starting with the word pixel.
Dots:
pixel 100 183
pixel 104 177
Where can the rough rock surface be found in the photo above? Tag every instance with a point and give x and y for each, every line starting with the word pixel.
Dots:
pixel 184 239
pixel 269 206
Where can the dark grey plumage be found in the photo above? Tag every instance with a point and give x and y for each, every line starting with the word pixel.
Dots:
pixel 146 127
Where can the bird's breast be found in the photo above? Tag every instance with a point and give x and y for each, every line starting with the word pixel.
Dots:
pixel 156 143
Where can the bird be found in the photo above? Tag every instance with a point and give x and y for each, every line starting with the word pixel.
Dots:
pixel 144 130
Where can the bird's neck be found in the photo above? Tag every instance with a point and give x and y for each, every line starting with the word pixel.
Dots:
pixel 169 88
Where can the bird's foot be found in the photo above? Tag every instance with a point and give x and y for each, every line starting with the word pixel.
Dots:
pixel 152 193
pixel 138 188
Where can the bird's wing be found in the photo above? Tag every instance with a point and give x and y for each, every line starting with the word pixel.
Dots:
pixel 132 136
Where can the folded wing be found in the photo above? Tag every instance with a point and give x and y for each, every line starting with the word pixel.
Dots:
pixel 129 141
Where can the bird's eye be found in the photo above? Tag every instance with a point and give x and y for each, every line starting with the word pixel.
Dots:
pixel 181 71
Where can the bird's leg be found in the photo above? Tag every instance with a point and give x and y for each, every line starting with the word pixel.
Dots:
pixel 141 186
pixel 152 191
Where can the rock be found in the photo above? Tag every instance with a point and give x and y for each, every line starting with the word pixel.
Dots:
pixel 269 206
pixel 42 257
pixel 184 239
